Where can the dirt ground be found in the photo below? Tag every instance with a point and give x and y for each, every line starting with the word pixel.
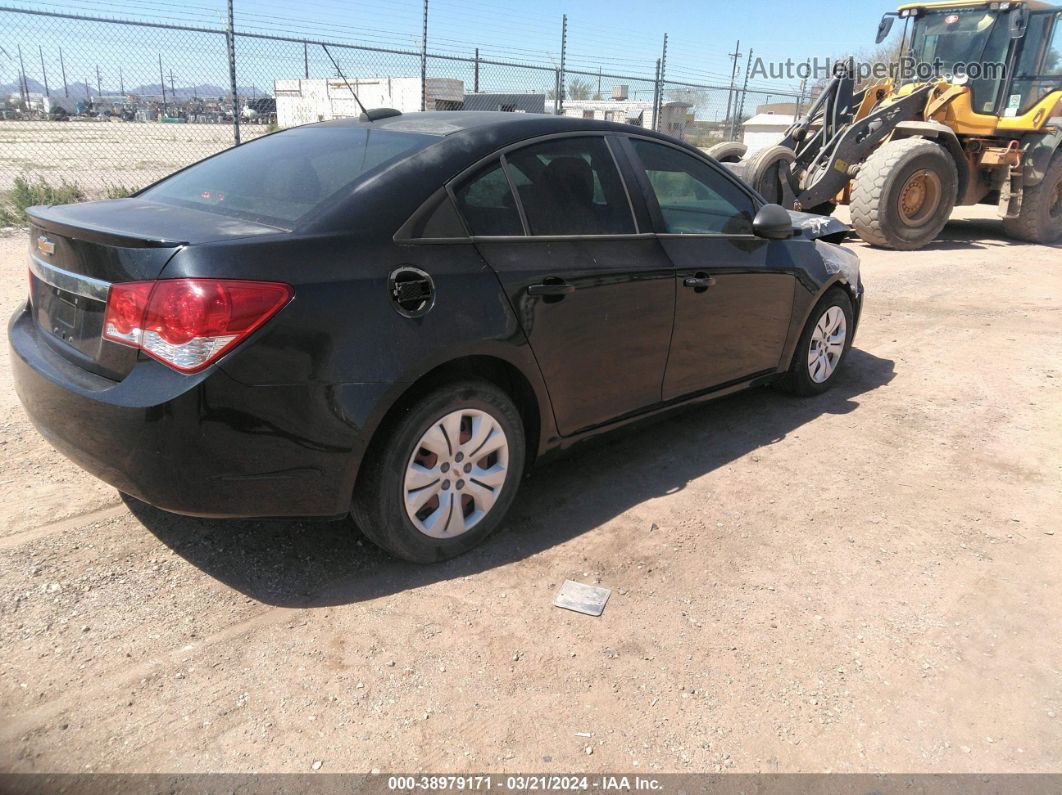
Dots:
pixel 863 581
pixel 130 154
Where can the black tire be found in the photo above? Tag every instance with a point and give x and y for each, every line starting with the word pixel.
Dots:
pixel 1040 218
pixel 880 185
pixel 378 506
pixel 727 151
pixel 798 380
pixel 765 173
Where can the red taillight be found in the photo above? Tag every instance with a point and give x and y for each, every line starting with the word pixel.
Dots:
pixel 187 324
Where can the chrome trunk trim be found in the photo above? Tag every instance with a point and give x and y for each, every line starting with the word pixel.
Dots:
pixel 75 283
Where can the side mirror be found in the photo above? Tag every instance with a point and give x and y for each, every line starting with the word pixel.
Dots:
pixel 773 222
pixel 885 27
pixel 1018 21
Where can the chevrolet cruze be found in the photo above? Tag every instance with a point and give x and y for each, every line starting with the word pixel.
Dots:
pixel 394 316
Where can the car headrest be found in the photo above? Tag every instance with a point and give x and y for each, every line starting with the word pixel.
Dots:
pixel 571 176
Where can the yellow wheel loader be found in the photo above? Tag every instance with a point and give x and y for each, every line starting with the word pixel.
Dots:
pixel 972 115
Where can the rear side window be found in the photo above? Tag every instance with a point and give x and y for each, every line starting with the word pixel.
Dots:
pixel 694 198
pixel 281 178
pixel 486 202
pixel 570 186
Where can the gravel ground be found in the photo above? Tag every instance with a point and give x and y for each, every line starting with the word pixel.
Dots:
pixel 864 581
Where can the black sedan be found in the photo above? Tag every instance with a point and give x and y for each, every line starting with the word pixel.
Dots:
pixel 395 317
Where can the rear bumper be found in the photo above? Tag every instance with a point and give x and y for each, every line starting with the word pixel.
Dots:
pixel 203 445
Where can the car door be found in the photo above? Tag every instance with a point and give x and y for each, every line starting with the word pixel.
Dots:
pixel 594 297
pixel 734 292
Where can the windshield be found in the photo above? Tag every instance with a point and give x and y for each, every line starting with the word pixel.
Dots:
pixel 280 178
pixel 951 41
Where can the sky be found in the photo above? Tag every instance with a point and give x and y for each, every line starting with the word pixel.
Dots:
pixel 622 37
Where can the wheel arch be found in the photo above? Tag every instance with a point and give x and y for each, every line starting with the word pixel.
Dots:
pixel 526 392
pixel 836 282
pixel 1040 151
pixel 944 136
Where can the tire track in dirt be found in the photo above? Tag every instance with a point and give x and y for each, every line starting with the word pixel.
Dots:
pixel 62 525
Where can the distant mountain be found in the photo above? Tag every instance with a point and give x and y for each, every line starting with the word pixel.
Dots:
pixel 81 89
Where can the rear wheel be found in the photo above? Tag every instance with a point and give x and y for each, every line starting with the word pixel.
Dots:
pixel 823 345
pixel 444 476
pixel 766 172
pixel 904 194
pixel 1040 218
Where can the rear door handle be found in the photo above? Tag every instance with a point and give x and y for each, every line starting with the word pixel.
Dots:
pixel 698 282
pixel 551 288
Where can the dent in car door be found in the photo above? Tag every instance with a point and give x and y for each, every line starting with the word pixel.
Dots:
pixel 732 303
pixel 595 299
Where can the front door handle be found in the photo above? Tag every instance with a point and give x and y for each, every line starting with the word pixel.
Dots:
pixel 700 282
pixel 551 288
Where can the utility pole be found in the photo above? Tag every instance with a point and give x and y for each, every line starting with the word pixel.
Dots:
pixel 162 81
pixel 656 95
pixel 230 36
pixel 121 81
pixel 23 86
pixel 733 77
pixel 173 91
pixel 62 68
pixel 563 76
pixel 800 99
pixel 475 72
pixel 99 83
pixel 599 83
pixel 306 60
pixel 44 72
pixel 424 61
pixel 660 81
pixel 744 91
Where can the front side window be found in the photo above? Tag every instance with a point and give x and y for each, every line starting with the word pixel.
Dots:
pixel 694 198
pixel 570 186
pixel 280 178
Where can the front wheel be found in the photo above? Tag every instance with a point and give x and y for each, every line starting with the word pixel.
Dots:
pixel 904 194
pixel 823 345
pixel 444 475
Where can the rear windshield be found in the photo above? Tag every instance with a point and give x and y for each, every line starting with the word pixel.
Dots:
pixel 281 178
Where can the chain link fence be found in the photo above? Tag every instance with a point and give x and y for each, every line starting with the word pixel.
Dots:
pixel 107 106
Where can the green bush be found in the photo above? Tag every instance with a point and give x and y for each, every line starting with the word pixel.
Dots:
pixel 120 191
pixel 27 193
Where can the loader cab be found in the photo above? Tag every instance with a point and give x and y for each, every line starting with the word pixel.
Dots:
pixel 1008 53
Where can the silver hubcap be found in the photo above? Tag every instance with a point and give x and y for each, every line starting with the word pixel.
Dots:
pixel 456 473
pixel 827 344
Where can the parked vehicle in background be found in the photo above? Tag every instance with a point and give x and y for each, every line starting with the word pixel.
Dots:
pixel 904 152
pixel 396 317
pixel 262 109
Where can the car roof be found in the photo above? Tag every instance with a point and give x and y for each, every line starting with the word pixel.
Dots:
pixel 456 122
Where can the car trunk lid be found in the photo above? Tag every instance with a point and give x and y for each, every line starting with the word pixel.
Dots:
pixel 78 251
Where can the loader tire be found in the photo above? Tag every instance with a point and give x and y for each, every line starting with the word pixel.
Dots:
pixel 904 194
pixel 765 172
pixel 727 151
pixel 1040 218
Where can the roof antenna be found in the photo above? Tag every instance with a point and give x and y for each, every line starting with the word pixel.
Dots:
pixel 339 71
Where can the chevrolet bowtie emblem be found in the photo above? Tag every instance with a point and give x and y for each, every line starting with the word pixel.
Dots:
pixel 45 246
